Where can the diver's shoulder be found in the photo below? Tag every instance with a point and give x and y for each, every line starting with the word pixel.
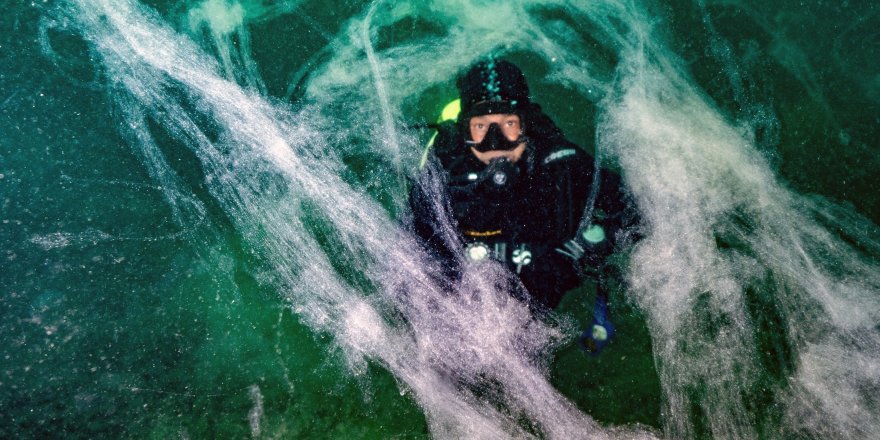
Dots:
pixel 562 153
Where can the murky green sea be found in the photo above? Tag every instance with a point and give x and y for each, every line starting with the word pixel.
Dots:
pixel 200 209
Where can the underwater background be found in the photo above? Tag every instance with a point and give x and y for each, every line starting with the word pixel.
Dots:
pixel 201 210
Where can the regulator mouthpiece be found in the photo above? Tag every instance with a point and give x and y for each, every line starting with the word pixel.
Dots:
pixel 500 174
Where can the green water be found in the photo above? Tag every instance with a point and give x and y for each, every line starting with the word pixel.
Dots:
pixel 142 301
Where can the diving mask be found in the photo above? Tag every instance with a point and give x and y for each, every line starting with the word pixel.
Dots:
pixel 495 140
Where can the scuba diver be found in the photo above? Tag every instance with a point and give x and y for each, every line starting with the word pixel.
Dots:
pixel 503 183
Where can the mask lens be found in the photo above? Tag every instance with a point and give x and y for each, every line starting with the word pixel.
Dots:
pixel 495 140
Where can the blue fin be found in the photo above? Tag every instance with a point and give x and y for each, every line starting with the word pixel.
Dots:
pixel 600 332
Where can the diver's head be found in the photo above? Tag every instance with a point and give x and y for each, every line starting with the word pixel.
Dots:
pixel 494 95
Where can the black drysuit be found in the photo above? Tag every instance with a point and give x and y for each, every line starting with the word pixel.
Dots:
pixel 456 214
